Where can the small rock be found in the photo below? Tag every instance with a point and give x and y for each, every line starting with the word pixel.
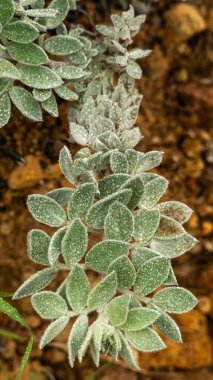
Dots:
pixel 207 228
pixel 192 147
pixel 55 356
pixel 205 305
pixel 33 321
pixel 26 176
pixel 8 350
pixel 52 172
pixel 183 21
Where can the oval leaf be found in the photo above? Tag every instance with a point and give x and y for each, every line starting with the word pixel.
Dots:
pixel 149 161
pixel 99 210
pixel 46 210
pixel 74 243
pixel 141 255
pixel 103 292
pixel 54 249
pixel 53 330
pixel 62 8
pixel 169 328
pixel 5 109
pixel 136 185
pixel 36 282
pixel 26 103
pixel 29 54
pixel 6 11
pixel 118 224
pixel 21 31
pixel 112 183
pixel 50 106
pixel 37 246
pixel 104 253
pixel 62 45
pixel 151 275
pixel 125 272
pixel 174 247
pixel 117 310
pixel 40 77
pixel 118 162
pixel 140 318
pixel 62 195
pixel 8 70
pixel 81 201
pixel 175 300
pixel 77 289
pixel 79 133
pixel 49 305
pixel 146 224
pixel 175 210
pixel 77 337
pixel 145 340
pixel 65 163
pixel 153 191
pixel 169 229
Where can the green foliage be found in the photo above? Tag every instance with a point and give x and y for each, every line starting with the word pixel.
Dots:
pixel 112 194
pixel 7 309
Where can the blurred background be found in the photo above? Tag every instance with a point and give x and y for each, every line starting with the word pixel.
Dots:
pixel 176 117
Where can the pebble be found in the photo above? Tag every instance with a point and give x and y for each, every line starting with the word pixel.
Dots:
pixel 183 21
pixel 26 176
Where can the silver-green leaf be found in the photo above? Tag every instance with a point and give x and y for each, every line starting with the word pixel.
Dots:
pixel 77 337
pixel 66 163
pixel 146 224
pixel 140 318
pixel 49 305
pixel 151 275
pixel 175 300
pixel 81 201
pixel 168 327
pixel 54 329
pixel 36 282
pixel 103 292
pixel 26 103
pixel 8 70
pixel 125 272
pixel 174 247
pixel 146 340
pixel 54 248
pixel 119 223
pixel 62 45
pixel 5 109
pixel 77 289
pixel 117 310
pixel 40 77
pixel 104 253
pixel 37 246
pixel 6 11
pixel 176 210
pixel 99 210
pixel 74 242
pixel 46 210
pixel 21 31
pixel 28 54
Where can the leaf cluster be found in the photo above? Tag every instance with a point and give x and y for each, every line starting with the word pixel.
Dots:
pixel 138 239
pixel 112 193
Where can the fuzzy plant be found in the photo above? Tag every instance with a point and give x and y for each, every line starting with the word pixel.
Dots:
pixel 42 55
pixel 113 195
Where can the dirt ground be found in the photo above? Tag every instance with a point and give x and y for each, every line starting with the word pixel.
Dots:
pixel 176 117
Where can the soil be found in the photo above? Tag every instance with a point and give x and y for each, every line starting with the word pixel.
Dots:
pixel 176 117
